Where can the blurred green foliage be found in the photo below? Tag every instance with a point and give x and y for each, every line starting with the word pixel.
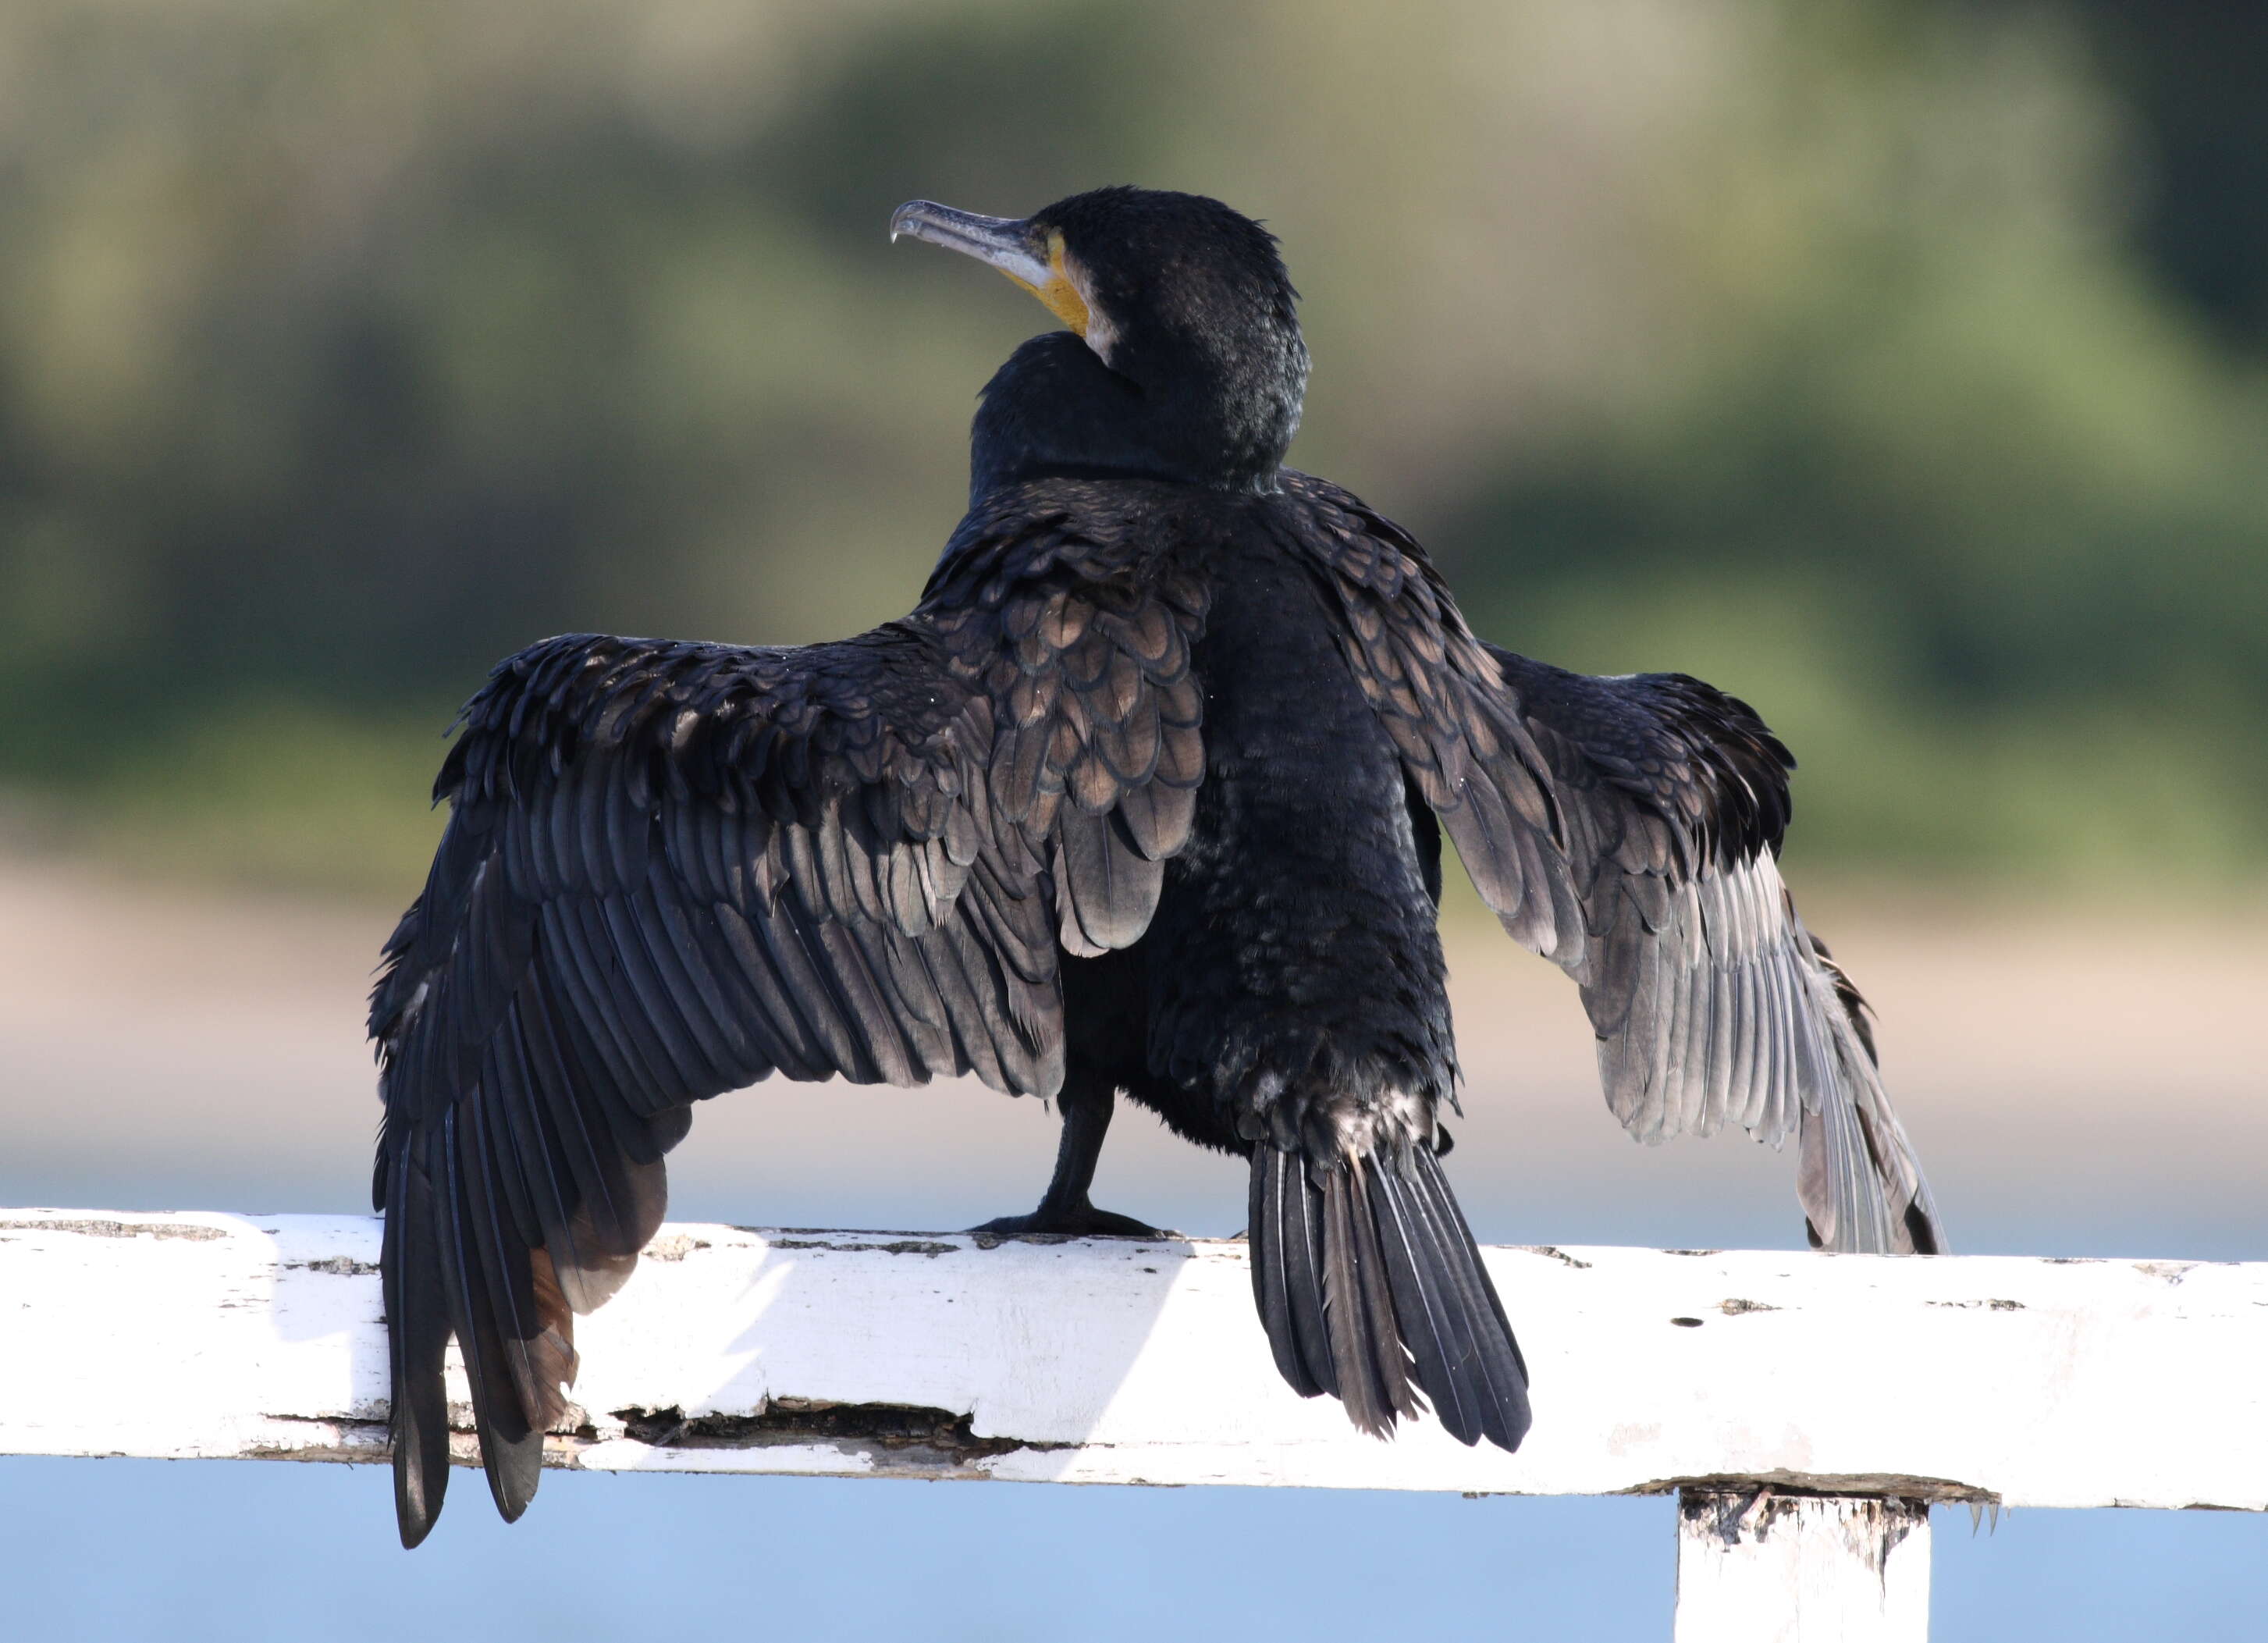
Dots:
pixel 1840 352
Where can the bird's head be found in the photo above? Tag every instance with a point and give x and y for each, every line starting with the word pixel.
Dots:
pixel 1183 360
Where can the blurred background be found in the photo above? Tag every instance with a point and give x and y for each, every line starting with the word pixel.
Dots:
pixel 1900 367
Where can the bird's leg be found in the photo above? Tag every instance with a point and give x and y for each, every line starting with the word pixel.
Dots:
pixel 1086 1100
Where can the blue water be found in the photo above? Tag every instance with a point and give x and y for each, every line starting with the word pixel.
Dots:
pixel 237 1552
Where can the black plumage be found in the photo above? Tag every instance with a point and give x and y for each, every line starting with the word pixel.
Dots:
pixel 1145 796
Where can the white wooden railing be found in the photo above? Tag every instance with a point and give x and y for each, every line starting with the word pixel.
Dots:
pixel 1807 1409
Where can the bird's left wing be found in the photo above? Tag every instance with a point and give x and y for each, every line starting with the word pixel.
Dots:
pixel 672 869
pixel 669 871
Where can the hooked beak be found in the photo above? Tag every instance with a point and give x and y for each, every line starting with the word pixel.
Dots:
pixel 1032 257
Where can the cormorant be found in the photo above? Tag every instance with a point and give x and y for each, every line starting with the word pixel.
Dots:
pixel 1145 796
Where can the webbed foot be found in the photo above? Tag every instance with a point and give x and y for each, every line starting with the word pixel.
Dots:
pixel 1082 1221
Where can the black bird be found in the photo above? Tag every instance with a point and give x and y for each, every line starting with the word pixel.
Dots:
pixel 1145 796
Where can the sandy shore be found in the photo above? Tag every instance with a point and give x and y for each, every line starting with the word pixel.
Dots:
pixel 166 1046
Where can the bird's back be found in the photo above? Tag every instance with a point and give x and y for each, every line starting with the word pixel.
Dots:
pixel 1297 929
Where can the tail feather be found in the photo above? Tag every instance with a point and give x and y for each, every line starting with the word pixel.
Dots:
pixel 1287 1273
pixel 1481 1389
pixel 1369 1286
pixel 1434 1316
pixel 1458 1237
pixel 1365 1341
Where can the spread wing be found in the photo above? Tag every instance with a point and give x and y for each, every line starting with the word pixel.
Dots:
pixel 1712 1001
pixel 671 870
pixel 1629 830
pixel 1440 695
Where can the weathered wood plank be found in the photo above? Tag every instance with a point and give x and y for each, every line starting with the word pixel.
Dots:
pixel 1758 1566
pixel 2070 1383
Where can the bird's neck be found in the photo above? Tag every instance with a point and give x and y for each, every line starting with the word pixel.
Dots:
pixel 1055 410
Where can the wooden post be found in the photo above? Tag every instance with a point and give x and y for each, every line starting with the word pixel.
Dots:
pixel 1759 1566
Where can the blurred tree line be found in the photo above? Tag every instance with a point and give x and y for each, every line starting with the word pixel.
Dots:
pixel 1898 366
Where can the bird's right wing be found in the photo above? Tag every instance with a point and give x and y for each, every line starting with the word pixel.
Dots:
pixel 671 870
pixel 1712 1001
pixel 1629 830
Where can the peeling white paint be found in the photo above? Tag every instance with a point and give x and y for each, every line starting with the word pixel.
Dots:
pixel 1759 1566
pixel 2025 1383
